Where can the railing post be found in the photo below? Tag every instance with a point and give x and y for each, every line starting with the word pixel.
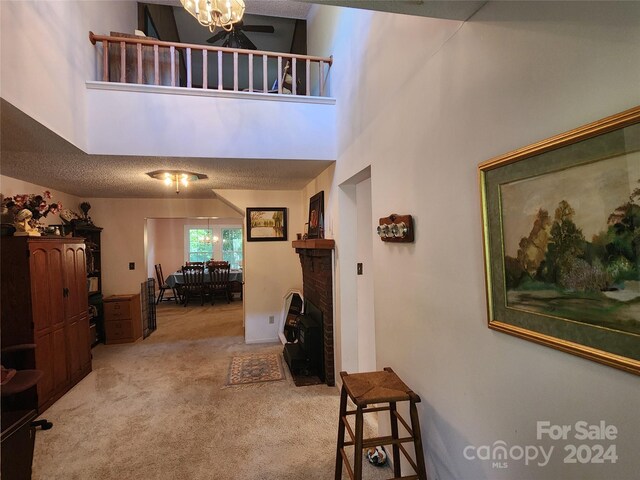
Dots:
pixel 205 73
pixel 251 72
pixel 235 71
pixel 321 78
pixel 139 53
pixel 172 52
pixel 265 87
pixel 156 65
pixel 123 62
pixel 105 61
pixel 220 70
pixel 294 76
pixel 308 77
pixel 188 67
pixel 280 75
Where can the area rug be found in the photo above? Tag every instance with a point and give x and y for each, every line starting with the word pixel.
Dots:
pixel 257 368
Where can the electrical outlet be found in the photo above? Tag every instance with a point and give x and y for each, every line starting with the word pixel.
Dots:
pixel 132 266
pixel 272 319
pixel 359 268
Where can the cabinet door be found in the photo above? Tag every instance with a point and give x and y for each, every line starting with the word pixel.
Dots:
pixel 59 360
pixel 44 357
pixel 47 286
pixel 75 269
pixel 47 302
pixel 79 348
pixel 76 307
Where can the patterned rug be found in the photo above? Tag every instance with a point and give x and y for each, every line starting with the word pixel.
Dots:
pixel 258 368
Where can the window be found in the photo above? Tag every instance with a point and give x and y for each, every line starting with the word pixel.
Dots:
pixel 199 244
pixel 232 246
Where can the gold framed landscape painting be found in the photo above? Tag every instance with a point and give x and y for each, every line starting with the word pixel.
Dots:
pixel 561 226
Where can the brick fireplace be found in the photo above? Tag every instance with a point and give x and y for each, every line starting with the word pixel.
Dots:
pixel 316 258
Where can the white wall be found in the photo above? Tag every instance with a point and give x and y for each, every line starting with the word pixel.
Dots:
pixel 271 268
pixel 47 57
pixel 147 124
pixel 424 106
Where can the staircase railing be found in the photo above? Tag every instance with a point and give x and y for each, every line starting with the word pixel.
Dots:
pixel 142 60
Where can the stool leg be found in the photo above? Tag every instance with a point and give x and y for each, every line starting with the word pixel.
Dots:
pixel 357 448
pixel 340 443
pixel 417 441
pixel 394 434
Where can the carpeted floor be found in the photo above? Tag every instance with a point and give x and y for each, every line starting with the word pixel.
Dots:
pixel 159 409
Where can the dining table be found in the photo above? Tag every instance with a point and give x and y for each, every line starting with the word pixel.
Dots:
pixel 176 278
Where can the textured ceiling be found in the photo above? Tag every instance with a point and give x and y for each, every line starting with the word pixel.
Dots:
pixel 33 153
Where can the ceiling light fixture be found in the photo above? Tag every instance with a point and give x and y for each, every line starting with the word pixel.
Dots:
pixel 208 238
pixel 215 13
pixel 176 177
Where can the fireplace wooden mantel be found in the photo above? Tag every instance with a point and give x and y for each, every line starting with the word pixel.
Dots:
pixel 314 244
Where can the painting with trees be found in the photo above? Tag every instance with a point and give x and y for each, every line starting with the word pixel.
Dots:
pixel 266 224
pixel 581 266
pixel 562 241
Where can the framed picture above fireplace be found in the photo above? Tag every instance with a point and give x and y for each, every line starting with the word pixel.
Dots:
pixel 266 224
pixel 316 216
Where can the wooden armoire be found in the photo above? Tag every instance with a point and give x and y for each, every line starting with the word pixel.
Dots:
pixel 44 302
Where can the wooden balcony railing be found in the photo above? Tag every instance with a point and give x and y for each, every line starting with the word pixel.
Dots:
pixel 141 60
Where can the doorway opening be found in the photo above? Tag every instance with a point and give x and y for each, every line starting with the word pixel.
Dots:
pixel 357 323
pixel 172 243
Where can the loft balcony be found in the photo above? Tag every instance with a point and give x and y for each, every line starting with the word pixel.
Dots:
pixel 224 102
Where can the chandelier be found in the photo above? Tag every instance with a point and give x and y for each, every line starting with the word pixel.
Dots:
pixel 215 13
pixel 208 237
pixel 176 177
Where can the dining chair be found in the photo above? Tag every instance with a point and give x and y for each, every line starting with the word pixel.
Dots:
pixel 163 286
pixel 211 264
pixel 193 283
pixel 219 282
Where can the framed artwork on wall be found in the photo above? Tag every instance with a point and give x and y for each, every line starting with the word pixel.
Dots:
pixel 268 224
pixel 316 216
pixel 561 226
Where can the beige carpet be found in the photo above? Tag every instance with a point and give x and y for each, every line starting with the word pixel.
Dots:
pixel 159 409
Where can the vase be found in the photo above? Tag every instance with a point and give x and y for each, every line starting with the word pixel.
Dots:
pixel 7 229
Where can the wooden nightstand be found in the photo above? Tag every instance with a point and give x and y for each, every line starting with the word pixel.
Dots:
pixel 123 320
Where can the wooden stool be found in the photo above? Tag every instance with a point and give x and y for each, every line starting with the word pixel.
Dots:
pixel 374 388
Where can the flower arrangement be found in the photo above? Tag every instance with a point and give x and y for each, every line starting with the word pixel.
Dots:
pixel 39 205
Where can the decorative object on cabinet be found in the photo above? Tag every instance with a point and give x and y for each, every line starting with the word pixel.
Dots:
pixel 122 318
pixel 92 236
pixel 558 218
pixel 266 224
pixel 7 230
pixel 44 302
pixel 396 228
pixel 316 216
pixel 28 209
